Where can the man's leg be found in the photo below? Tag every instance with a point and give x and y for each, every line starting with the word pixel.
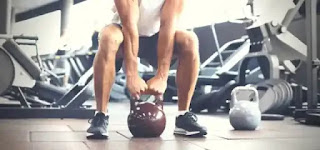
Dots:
pixel 111 38
pixel 188 67
pixel 186 44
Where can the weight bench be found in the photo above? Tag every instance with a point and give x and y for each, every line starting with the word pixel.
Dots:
pixel 26 62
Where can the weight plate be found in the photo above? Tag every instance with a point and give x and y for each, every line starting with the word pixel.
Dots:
pixel 285 89
pixel 290 92
pixel 117 93
pixel 278 102
pixel 6 71
pixel 284 85
pixel 267 96
pixel 283 94
pixel 288 95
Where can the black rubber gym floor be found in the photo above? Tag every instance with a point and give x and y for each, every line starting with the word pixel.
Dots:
pixel 69 134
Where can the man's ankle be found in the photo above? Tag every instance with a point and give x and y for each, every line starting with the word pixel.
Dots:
pixel 101 112
pixel 182 112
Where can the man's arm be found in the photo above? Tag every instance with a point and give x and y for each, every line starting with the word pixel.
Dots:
pixel 170 14
pixel 129 14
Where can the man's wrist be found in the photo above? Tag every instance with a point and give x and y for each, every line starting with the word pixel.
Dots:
pixel 131 67
pixel 132 75
pixel 163 75
pixel 132 72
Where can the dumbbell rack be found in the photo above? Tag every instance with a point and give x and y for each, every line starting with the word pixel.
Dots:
pixel 311 113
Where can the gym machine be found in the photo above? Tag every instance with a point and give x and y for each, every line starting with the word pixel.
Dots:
pixel 276 49
pixel 310 114
pixel 272 45
pixel 23 80
pixel 226 58
pixel 75 63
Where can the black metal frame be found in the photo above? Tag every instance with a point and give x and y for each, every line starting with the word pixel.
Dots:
pixel 310 114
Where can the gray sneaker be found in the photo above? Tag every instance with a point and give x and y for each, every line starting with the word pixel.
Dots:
pixel 187 125
pixel 98 128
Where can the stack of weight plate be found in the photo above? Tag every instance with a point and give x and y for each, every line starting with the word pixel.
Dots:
pixel 275 95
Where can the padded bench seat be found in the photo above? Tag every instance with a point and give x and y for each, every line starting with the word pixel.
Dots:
pixel 25 61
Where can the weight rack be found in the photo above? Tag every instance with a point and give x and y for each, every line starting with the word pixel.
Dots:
pixel 310 114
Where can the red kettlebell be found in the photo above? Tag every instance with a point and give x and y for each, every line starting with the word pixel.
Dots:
pixel 146 119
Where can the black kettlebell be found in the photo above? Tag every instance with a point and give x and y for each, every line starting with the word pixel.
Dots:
pixel 146 119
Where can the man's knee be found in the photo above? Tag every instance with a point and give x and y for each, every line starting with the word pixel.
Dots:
pixel 110 39
pixel 187 43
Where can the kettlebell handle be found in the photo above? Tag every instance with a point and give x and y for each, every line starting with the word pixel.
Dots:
pixel 244 88
pixel 158 101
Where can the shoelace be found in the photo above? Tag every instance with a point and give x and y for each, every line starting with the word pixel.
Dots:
pixel 97 120
pixel 192 116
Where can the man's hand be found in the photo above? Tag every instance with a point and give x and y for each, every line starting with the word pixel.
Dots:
pixel 157 86
pixel 136 86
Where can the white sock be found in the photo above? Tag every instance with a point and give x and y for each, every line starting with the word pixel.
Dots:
pixel 180 113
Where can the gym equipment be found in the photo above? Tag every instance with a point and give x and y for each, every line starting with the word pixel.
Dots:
pixel 302 9
pixel 6 77
pixel 226 59
pixel 244 113
pixel 271 43
pixel 5 17
pixel 75 62
pixel 146 119
pixel 213 100
pixel 275 95
pixel 61 65
pixel 272 117
pixel 30 86
pixel 310 114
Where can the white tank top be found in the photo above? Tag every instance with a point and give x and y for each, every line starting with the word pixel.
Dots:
pixel 149 19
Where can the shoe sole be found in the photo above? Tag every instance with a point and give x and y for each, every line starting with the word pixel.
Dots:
pixel 97 135
pixel 181 131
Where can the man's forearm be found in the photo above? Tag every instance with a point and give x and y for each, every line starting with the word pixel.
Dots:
pixel 169 17
pixel 131 45
pixel 165 49
pixel 129 14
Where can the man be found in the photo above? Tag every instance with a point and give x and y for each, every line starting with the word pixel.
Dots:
pixel 148 29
